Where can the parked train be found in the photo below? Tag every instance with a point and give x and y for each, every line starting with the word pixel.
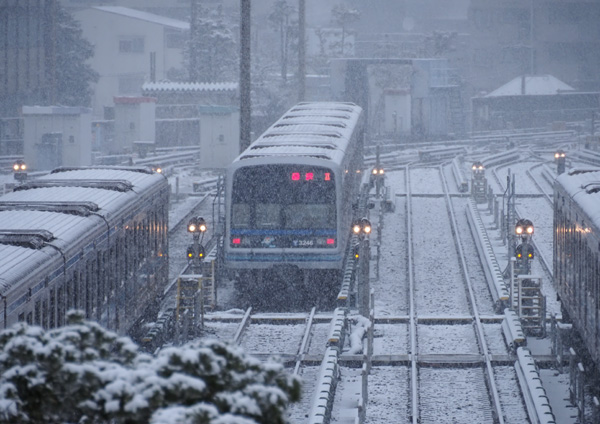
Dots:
pixel 289 196
pixel 93 239
pixel 577 252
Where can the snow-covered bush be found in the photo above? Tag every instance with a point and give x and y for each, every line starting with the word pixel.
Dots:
pixel 82 373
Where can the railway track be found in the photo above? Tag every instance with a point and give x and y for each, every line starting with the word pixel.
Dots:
pixel 435 351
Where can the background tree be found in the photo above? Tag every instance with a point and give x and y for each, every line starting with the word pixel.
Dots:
pixel 84 373
pixel 213 42
pixel 281 18
pixel 73 75
pixel 343 16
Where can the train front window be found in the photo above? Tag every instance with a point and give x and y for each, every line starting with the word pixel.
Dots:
pixel 283 197
pixel 309 216
pixel 268 215
pixel 241 212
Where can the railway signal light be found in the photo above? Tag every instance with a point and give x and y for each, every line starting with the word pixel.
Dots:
pixel 197 225
pixel 524 251
pixel 195 251
pixel 361 226
pixel 560 158
pixel 477 167
pixel 524 227
pixel 20 170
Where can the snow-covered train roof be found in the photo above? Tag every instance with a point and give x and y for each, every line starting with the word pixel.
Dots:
pixel 312 129
pixel 583 186
pixel 59 209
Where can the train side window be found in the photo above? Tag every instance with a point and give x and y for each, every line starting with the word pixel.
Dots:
pixel 52 310
pixel 60 306
pixel 89 289
pixel 45 313
pixel 37 317
pixel 75 289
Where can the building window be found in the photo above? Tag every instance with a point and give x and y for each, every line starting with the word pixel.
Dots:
pixel 131 45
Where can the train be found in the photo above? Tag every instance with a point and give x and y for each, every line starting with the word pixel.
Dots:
pixel 577 253
pixel 289 196
pixel 93 239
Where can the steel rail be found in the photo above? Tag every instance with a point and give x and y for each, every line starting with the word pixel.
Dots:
pixel 303 349
pixel 244 323
pixel 414 374
pixel 499 416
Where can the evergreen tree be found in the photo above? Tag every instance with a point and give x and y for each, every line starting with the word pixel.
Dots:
pixel 73 75
pixel 343 17
pixel 84 373
pixel 213 42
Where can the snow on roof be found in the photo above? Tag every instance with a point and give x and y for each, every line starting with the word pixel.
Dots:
pixel 190 86
pixel 534 85
pixel 583 186
pixel 311 129
pixel 145 16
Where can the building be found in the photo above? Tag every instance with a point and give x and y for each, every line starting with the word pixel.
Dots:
pixel 532 102
pixel 27 52
pixel 511 38
pixel 131 47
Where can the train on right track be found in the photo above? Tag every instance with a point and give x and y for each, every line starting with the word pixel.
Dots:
pixel 577 253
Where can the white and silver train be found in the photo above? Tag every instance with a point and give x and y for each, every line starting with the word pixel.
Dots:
pixel 289 195
pixel 93 239
pixel 577 253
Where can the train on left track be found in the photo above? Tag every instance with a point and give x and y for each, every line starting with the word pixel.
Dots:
pixel 577 253
pixel 289 197
pixel 93 239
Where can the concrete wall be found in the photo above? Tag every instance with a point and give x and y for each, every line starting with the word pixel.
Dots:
pixel 134 121
pixel 73 136
pixel 219 137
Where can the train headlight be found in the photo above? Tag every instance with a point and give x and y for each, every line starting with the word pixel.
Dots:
pixel 192 227
pixel 356 229
pixel 381 171
pixel 519 230
pixel 374 171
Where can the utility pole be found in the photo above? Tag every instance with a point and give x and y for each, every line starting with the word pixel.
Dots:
pixel 245 76
pixel 301 50
pixel 193 71
pixel 50 48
